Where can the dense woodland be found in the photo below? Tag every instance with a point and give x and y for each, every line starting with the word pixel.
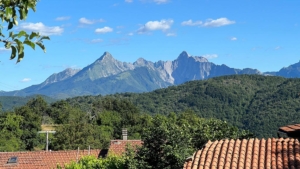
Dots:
pixel 256 103
pixel 176 120
pixel 76 128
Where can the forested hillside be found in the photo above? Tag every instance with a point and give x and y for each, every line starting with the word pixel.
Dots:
pixel 258 103
pixel 10 102
pixel 104 122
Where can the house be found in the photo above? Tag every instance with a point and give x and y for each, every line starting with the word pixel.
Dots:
pixel 292 131
pixel 50 159
pixel 118 147
pixel 42 159
pixel 273 153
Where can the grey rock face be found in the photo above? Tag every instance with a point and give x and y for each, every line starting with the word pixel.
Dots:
pixel 57 77
pixel 108 75
pixel 291 71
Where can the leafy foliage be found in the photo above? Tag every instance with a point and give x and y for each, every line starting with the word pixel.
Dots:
pixel 171 139
pixel 257 103
pixel 16 40
pixel 110 162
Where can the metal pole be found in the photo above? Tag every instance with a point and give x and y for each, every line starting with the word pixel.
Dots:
pixel 47 134
pixel 47 142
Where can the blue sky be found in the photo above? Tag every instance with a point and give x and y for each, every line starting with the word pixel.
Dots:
pixel 258 34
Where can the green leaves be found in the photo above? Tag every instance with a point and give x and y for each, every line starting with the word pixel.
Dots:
pixel 8 13
pixel 13 52
pixel 41 46
pixel 33 35
pixel 16 41
pixel 29 43
pixel 23 14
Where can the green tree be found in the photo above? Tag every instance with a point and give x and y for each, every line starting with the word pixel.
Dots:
pixel 110 162
pixel 30 125
pixel 10 12
pixel 171 139
pixel 10 132
pixel 166 145
pixel 77 132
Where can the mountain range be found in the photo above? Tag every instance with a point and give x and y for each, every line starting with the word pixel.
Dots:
pixel 108 76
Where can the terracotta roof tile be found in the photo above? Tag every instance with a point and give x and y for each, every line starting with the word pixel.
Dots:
pixel 253 153
pixel 42 159
pixel 118 147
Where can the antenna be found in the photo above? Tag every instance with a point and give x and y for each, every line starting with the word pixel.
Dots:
pixel 47 132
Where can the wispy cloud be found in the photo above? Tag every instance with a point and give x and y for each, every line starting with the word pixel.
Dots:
pixel 62 18
pixel 42 29
pixel 2 49
pixel 162 25
pixel 161 1
pixel 171 34
pixel 191 23
pixel 210 56
pixel 90 21
pixel 105 29
pixel 96 41
pixel 129 1
pixel 26 80
pixel 209 22
pixel 217 22
pixel 233 38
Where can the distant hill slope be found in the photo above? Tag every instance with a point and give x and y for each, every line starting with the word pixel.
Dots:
pixel 108 76
pixel 258 103
pixel 10 102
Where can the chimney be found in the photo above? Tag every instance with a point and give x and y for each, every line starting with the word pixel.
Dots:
pixel 124 133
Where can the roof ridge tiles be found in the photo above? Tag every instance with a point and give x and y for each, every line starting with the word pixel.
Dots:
pixel 223 153
pixel 236 154
pixel 216 154
pixel 248 153
pixel 229 154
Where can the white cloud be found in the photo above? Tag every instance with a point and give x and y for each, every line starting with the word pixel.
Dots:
pixel 161 1
pixel 128 1
pixel 105 29
pixel 42 29
pixel 96 40
pixel 62 18
pixel 171 34
pixel 217 22
pixel 209 22
pixel 191 23
pixel 3 49
pixel 210 56
pixel 156 25
pixel 88 21
pixel 233 38
pixel 130 34
pixel 26 80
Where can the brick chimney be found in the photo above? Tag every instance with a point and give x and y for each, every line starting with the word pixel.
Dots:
pixel 124 134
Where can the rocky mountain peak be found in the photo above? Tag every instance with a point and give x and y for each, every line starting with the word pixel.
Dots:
pixel 183 55
pixel 57 77
pixel 141 62
pixel 106 56
pixel 200 59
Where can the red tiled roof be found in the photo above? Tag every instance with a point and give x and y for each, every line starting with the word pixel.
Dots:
pixel 117 147
pixel 42 159
pixel 253 153
pixel 290 128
